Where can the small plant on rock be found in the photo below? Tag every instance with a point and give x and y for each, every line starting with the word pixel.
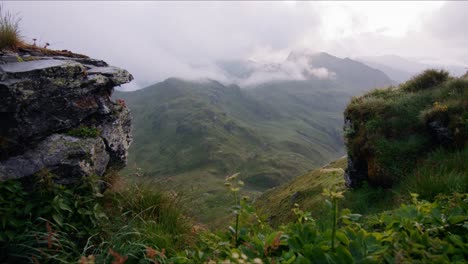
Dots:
pixel 84 132
pixel 10 37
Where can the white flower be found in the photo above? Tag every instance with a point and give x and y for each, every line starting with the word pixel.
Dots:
pixel 257 261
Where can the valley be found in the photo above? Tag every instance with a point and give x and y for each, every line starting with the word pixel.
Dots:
pixel 202 131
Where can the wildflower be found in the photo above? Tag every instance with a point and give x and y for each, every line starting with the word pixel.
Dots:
pixel 440 107
pixel 257 261
pixel 88 260
pixel 151 252
pixel 118 259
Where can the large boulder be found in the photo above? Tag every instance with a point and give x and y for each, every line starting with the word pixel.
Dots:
pixel 45 97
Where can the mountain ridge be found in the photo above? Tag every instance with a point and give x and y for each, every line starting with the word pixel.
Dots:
pixel 202 131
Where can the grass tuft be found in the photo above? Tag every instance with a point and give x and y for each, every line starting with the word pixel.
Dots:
pixel 10 35
pixel 442 172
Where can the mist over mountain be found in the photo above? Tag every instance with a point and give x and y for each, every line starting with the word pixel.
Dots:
pixel 300 65
pixel 401 69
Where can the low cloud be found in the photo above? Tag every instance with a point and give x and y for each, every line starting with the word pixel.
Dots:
pixel 158 40
pixel 298 69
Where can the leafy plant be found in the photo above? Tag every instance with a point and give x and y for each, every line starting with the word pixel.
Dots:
pixel 419 232
pixel 48 218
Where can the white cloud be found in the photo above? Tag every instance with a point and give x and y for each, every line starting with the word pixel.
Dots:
pixel 157 40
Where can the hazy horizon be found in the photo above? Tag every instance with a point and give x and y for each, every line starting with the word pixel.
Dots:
pixel 158 40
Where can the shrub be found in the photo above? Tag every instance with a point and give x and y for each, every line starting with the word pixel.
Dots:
pixel 10 37
pixel 426 80
pixel 457 87
pixel 418 232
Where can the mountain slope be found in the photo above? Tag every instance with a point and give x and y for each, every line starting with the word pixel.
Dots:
pixel 304 190
pixel 180 126
pixel 414 136
pixel 354 75
pixel 189 135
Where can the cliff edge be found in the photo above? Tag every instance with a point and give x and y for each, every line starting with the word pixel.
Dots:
pixel 389 131
pixel 57 115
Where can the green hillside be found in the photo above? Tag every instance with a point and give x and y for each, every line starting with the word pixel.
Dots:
pixel 416 159
pixel 305 190
pixel 201 131
pixel 183 126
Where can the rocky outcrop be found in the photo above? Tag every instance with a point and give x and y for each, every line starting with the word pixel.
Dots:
pixel 388 131
pixel 57 115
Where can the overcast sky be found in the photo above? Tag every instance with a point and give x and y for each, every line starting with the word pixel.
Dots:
pixel 157 40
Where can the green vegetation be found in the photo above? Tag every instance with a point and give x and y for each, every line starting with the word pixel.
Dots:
pixel 54 224
pixel 10 37
pixel 183 126
pixel 304 190
pixel 428 79
pixel 414 233
pixel 199 132
pixel 392 129
pixel 135 225
pixel 442 172
pixel 84 132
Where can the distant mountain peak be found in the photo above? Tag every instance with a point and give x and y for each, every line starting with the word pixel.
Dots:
pixel 307 53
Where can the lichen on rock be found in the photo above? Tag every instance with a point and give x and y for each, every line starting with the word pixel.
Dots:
pixel 43 98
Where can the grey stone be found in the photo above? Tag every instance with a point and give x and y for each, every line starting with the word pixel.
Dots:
pixel 28 66
pixel 44 98
pixel 116 75
pixel 68 158
pixel 117 134
pixel 441 132
pixel 47 96
pixel 355 173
